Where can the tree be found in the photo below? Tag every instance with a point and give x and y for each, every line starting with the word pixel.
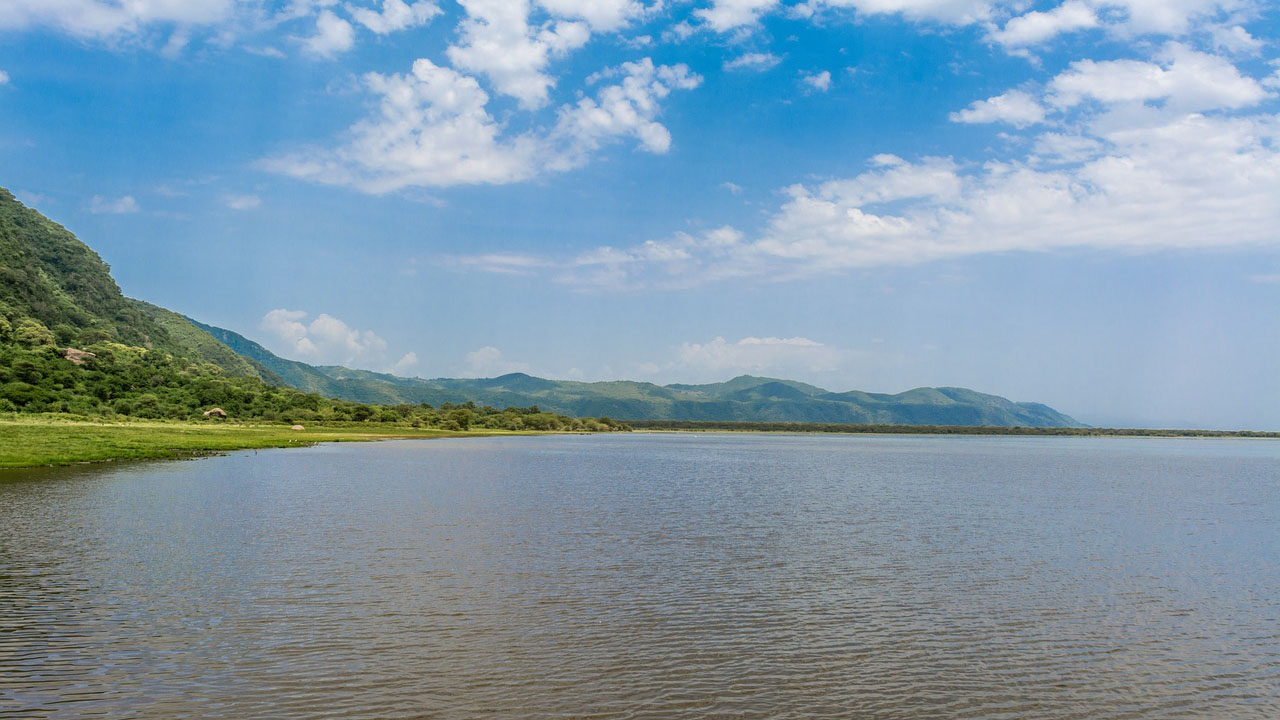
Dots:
pixel 33 333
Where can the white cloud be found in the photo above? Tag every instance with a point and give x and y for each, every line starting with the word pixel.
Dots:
pixel 489 361
pixel 1036 27
pixel 1142 180
pixel 627 108
pixel 432 129
pixel 758 354
pixel 4 78
pixel 333 35
pixel 725 15
pixel 498 41
pixel 1168 17
pixel 396 15
pixel 106 206
pixel 953 12
pixel 325 340
pixel 497 263
pixel 242 202
pixel 1014 107
pixel 754 61
pixel 601 15
pixel 817 82
pixel 1121 18
pixel 407 362
pixel 1186 80
pixel 104 18
pixel 1235 39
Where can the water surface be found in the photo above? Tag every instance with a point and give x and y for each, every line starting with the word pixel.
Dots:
pixel 651 576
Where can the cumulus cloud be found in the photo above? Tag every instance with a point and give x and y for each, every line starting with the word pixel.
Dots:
pixel 497 40
pixel 1183 78
pixel 725 15
pixel 242 202
pixel 1197 169
pixel 1036 26
pixel 817 82
pixel 324 340
pixel 333 35
pixel 433 129
pixel 395 15
pixel 601 15
pixel 952 12
pixel 99 205
pixel 1235 39
pixel 405 364
pixel 753 61
pixel 104 18
pixel 1014 107
pixel 489 361
pixel 625 108
pixel 1120 18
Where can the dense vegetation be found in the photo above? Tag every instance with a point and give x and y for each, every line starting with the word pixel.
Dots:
pixel 70 342
pixel 712 426
pixel 117 379
pixel 56 293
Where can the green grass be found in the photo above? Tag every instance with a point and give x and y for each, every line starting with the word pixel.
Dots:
pixel 54 440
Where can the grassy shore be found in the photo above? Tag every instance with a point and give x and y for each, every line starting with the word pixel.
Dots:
pixel 34 441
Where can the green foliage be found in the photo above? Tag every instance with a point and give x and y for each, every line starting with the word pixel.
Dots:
pixel 33 334
pixel 119 379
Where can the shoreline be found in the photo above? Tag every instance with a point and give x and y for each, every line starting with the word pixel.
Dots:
pixel 691 426
pixel 45 441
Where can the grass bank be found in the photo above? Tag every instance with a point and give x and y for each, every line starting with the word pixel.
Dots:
pixel 34 441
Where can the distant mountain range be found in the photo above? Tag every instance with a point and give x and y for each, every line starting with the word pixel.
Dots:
pixel 744 398
pixel 47 274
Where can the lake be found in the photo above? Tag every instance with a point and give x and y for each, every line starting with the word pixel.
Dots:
pixel 651 576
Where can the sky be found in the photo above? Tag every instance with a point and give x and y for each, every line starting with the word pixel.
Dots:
pixel 1075 203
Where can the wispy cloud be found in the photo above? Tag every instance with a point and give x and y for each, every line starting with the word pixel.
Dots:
pixel 99 205
pixel 753 61
pixel 242 202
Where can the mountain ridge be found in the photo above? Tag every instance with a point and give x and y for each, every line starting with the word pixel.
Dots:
pixel 747 398
pixel 64 293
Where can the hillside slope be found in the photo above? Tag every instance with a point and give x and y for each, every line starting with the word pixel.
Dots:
pixel 744 398
pixel 46 273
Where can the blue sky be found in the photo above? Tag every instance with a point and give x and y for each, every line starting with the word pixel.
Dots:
pixel 1071 202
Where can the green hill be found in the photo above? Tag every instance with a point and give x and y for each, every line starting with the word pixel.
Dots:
pixel 71 343
pixel 56 293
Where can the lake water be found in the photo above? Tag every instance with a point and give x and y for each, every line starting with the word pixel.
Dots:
pixel 651 576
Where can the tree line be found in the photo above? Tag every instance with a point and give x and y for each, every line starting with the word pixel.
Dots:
pixel 106 379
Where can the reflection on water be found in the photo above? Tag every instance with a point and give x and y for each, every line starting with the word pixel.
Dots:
pixel 651 577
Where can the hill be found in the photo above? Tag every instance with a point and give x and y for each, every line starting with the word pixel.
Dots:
pixel 55 293
pixel 71 343
pixel 745 398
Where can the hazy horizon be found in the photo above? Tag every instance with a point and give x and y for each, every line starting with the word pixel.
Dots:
pixel 1071 203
